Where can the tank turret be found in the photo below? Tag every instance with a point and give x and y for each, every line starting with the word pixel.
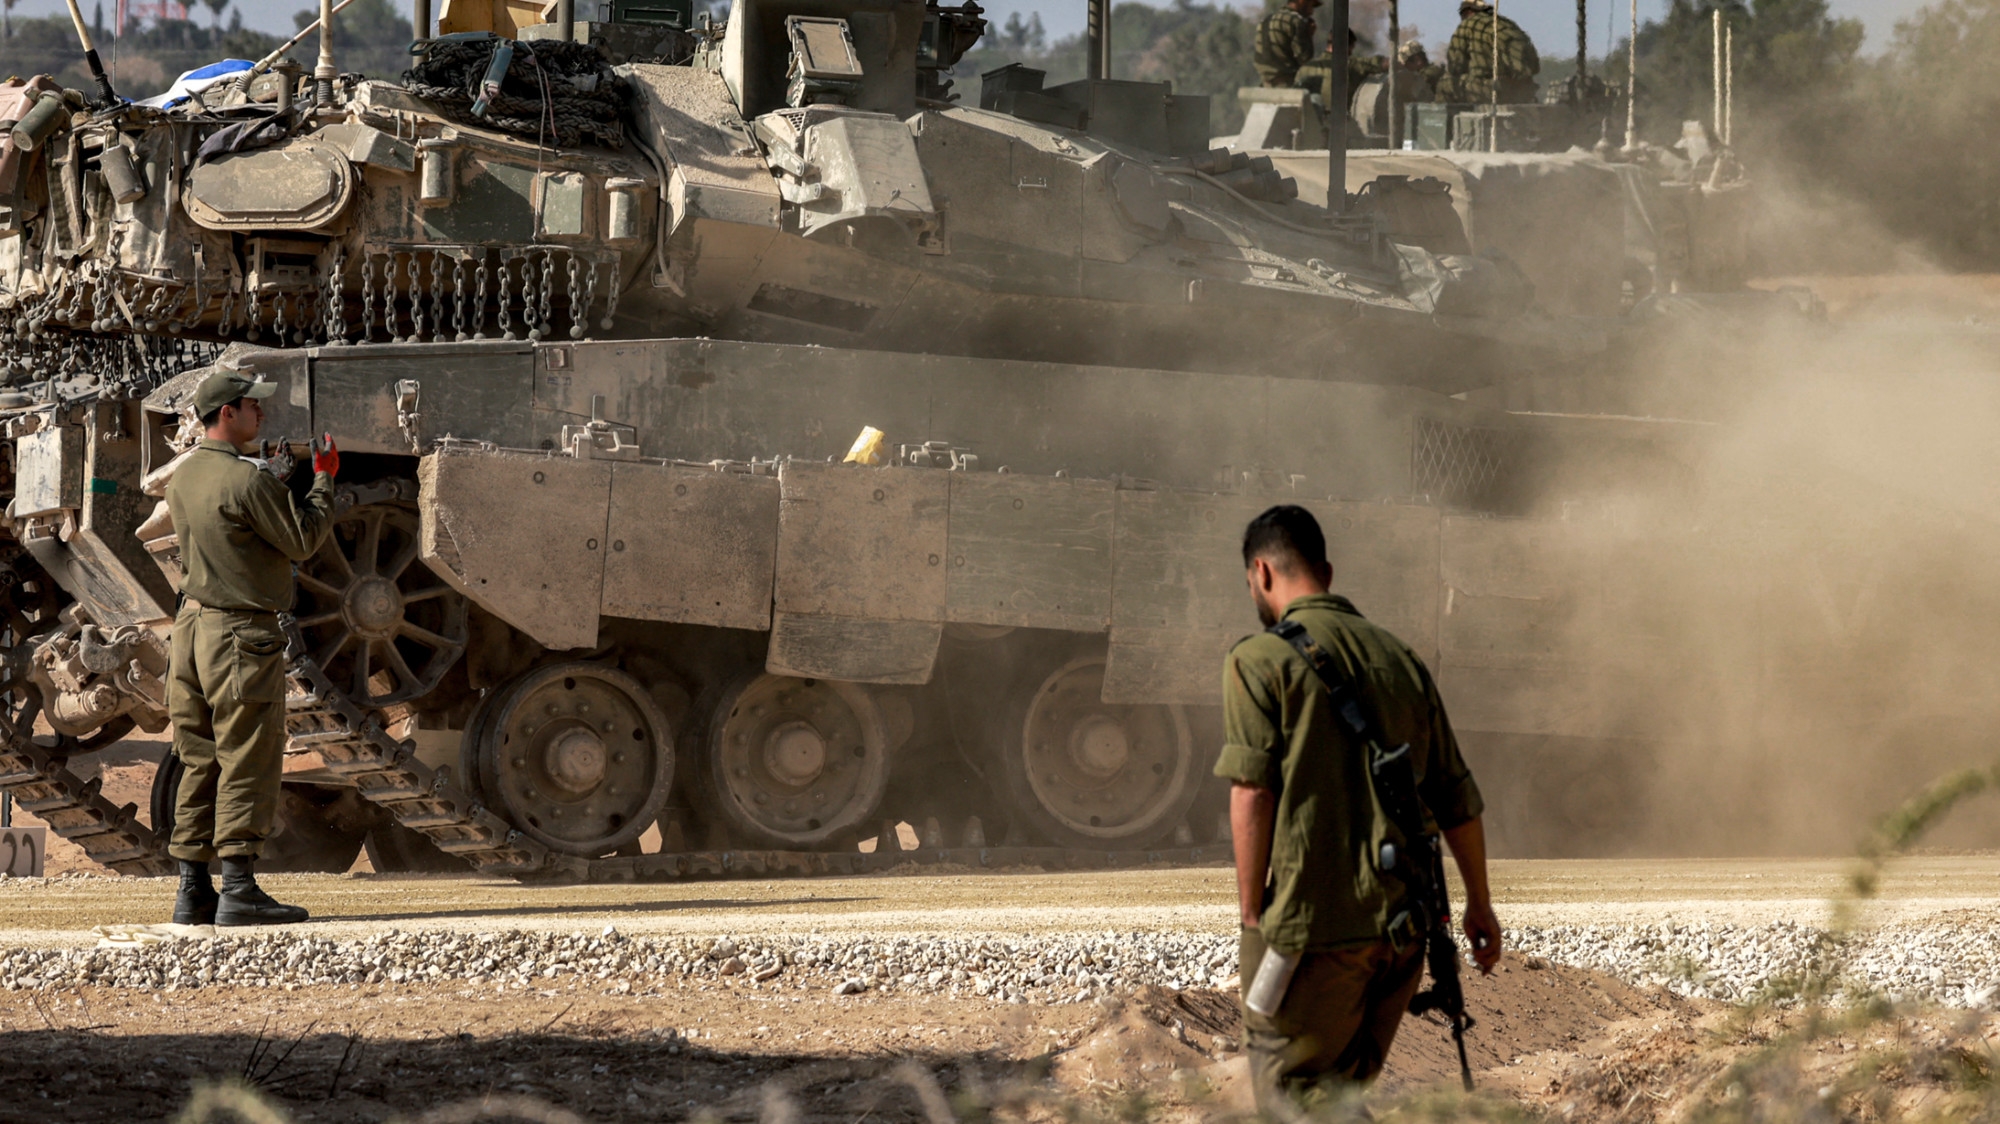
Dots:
pixel 804 174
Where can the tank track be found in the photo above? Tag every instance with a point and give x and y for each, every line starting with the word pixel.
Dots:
pixel 39 780
pixel 352 743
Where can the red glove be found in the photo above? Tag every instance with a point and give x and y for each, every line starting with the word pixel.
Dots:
pixel 326 457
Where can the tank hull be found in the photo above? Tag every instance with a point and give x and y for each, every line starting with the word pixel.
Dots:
pixel 674 515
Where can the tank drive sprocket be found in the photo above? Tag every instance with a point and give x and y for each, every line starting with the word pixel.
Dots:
pixel 378 622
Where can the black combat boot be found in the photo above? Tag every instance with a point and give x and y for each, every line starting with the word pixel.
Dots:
pixel 195 904
pixel 245 903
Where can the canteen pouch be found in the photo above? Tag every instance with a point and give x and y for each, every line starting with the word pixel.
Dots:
pixel 1273 979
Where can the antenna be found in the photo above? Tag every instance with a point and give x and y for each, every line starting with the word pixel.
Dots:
pixel 1582 50
pixel 1337 115
pixel 324 71
pixel 1715 70
pixel 106 96
pixel 266 62
pixel 1099 35
pixel 1632 84
pixel 1395 64
pixel 1728 85
pixel 1493 88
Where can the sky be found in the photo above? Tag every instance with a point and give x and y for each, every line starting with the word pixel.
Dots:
pixel 1552 23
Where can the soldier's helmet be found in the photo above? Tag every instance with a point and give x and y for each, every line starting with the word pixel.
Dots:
pixel 1413 55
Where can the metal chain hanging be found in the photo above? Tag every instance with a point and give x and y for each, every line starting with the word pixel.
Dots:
pixel 479 299
pixel 544 321
pixel 458 297
pixel 367 297
pixel 437 294
pixel 416 300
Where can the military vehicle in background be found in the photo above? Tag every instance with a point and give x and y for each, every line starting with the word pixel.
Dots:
pixel 1649 233
pixel 749 450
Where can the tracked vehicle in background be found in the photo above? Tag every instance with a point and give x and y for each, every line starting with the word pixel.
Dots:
pixel 614 592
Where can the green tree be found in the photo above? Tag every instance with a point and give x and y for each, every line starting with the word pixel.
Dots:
pixel 1210 57
pixel 1022 37
pixel 148 57
pixel 1919 137
pixel 1789 53
pixel 1202 48
pixel 216 8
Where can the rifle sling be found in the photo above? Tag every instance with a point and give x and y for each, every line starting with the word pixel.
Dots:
pixel 1394 778
pixel 1344 693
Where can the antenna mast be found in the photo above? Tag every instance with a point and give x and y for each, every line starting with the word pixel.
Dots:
pixel 1632 83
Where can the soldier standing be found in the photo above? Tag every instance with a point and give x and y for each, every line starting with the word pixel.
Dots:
pixel 1468 58
pixel 1284 42
pixel 1305 820
pixel 240 532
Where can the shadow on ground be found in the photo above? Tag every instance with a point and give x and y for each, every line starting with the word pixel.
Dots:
pixel 324 1075
pixel 560 909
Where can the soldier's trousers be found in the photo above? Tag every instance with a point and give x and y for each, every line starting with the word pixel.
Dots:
pixel 1333 1030
pixel 226 696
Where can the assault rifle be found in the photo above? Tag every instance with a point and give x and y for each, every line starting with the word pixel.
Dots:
pixel 1445 996
pixel 1428 911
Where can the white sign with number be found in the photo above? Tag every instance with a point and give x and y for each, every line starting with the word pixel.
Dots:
pixel 21 850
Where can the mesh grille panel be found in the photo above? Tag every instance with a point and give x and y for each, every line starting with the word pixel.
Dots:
pixel 1462 466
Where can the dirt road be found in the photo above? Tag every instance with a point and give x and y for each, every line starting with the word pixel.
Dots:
pixel 1528 892
pixel 635 1036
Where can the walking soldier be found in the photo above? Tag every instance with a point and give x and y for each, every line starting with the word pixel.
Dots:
pixel 1328 893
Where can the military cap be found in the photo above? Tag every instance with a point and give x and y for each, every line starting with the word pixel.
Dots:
pixel 1473 6
pixel 223 387
pixel 1411 50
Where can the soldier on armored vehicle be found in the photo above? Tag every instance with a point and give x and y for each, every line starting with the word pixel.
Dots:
pixel 1284 42
pixel 1482 34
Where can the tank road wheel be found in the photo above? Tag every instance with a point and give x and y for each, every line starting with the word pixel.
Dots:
pixel 795 763
pixel 380 625
pixel 1087 773
pixel 578 755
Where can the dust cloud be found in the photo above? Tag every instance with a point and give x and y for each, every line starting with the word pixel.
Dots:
pixel 1789 620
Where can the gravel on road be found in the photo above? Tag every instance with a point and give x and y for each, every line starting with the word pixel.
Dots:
pixel 1954 961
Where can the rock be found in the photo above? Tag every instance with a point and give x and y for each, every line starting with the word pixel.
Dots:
pixel 850 987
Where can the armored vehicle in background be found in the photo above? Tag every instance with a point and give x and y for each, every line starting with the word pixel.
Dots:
pixel 614 591
pixel 1628 233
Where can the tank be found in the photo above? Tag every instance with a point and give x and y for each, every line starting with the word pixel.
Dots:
pixel 1648 233
pixel 749 452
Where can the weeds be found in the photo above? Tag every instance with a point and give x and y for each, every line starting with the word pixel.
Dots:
pixel 1800 1051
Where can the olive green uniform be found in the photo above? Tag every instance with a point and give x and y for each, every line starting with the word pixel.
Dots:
pixel 1468 62
pixel 1284 43
pixel 240 531
pixel 1323 897
pixel 1317 76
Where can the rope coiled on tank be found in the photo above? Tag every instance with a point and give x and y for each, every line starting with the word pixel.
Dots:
pixel 563 94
